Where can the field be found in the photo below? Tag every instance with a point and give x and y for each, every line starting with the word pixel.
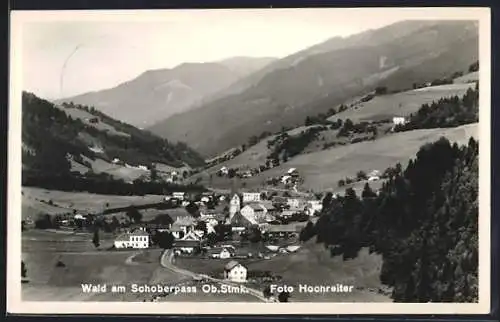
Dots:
pixel 400 104
pixel 35 200
pixel 322 170
pixel 470 77
pixel 84 264
pixel 254 155
pixel 85 116
pixel 311 265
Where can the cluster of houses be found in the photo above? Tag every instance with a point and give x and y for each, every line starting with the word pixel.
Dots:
pixel 245 211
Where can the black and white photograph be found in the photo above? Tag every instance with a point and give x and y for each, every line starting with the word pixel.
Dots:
pixel 231 160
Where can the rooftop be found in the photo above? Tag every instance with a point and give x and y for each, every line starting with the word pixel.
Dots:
pixel 232 264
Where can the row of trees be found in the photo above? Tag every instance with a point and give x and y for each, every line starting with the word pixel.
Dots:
pixel 287 146
pixel 424 222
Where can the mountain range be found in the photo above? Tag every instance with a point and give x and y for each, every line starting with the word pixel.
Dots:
pixel 217 106
pixel 158 94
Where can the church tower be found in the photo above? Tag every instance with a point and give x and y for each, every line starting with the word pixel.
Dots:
pixel 234 205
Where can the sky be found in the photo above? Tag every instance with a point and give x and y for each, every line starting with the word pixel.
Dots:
pixel 69 55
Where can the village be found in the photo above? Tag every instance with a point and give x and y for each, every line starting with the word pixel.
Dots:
pixel 238 226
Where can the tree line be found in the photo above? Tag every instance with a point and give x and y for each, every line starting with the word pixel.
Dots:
pixel 446 112
pixel 101 184
pixel 424 221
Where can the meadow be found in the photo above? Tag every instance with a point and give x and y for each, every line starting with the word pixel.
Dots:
pixel 400 104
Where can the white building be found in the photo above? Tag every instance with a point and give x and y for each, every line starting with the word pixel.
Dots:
pixel 251 197
pixel 235 272
pixel 137 239
pixel 179 195
pixel 220 253
pixel 286 179
pixel 398 120
pixel 294 203
pixel 313 207
pixel 224 171
pixel 254 213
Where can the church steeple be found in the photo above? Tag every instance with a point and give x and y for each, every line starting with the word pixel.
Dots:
pixel 234 205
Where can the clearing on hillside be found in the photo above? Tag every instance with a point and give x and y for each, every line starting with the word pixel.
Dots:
pixel 322 170
pixel 401 104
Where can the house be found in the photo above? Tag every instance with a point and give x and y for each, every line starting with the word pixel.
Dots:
pixel 205 199
pixel 374 178
pixel 240 222
pixel 179 195
pixel 279 200
pixel 115 161
pixel 93 120
pixel 222 253
pixel 286 231
pixel 254 212
pixel 313 207
pixel 186 246
pixel 398 120
pixel 292 171
pixel 234 205
pixel 288 213
pixel 294 203
pixel 195 235
pixel 246 174
pixel 251 197
pixel 235 272
pixel 181 226
pixel 224 171
pixel 138 239
pixel 286 179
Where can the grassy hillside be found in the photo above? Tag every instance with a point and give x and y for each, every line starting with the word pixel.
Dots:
pixel 37 200
pixel 285 96
pixel 400 104
pixel 322 170
pixel 75 140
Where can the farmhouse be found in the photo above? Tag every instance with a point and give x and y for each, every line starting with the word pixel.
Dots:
pixel 251 197
pixel 313 207
pixel 195 235
pixel 179 195
pixel 222 253
pixel 294 203
pixel 398 120
pixel 186 246
pixel 181 226
pixel 137 239
pixel 235 272
pixel 286 179
pixel 286 231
